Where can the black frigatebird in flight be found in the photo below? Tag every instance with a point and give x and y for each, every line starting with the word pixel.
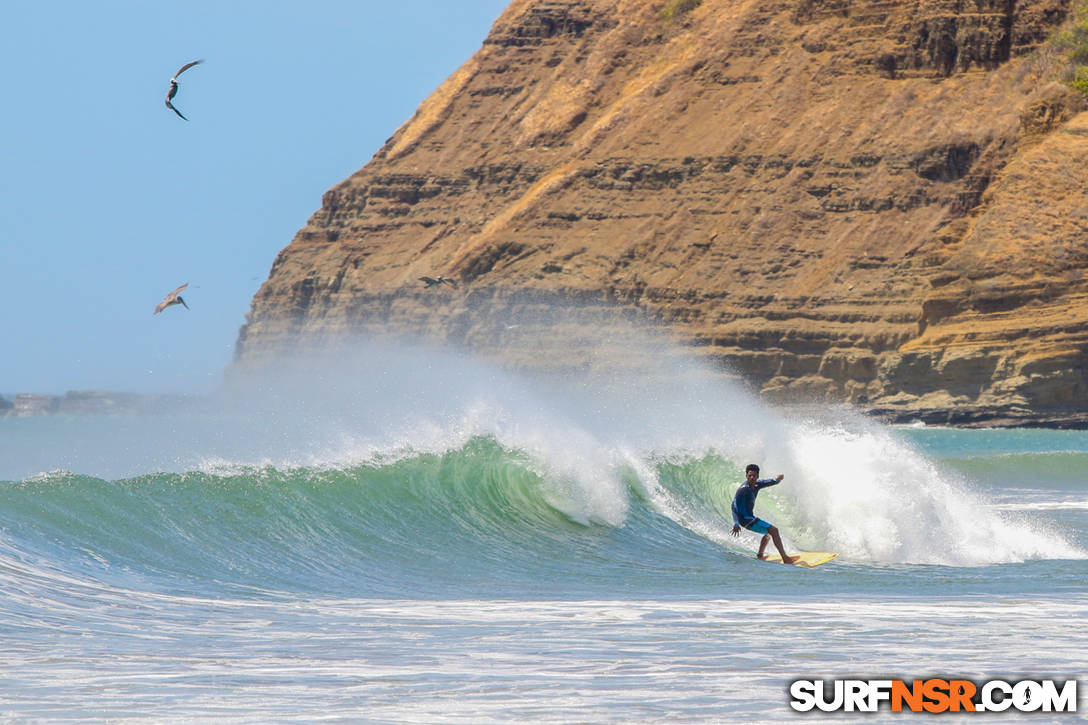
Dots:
pixel 174 87
pixel 435 281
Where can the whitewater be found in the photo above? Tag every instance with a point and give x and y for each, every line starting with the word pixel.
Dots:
pixel 399 533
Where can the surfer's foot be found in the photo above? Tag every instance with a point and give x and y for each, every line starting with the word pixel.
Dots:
pixel 761 557
pixel 791 559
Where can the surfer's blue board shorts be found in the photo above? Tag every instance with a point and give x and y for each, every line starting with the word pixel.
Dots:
pixel 759 526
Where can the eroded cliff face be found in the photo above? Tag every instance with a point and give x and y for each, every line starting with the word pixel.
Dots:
pixel 876 202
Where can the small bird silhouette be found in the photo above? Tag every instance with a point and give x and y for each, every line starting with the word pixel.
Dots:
pixel 435 281
pixel 174 87
pixel 172 299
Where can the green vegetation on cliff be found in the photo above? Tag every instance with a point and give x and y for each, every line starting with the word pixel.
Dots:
pixel 675 8
pixel 1073 42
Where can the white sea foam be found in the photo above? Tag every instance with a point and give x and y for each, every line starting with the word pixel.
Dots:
pixel 162 658
pixel 872 496
pixel 1042 506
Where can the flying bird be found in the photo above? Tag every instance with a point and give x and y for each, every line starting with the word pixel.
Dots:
pixel 174 87
pixel 172 299
pixel 435 281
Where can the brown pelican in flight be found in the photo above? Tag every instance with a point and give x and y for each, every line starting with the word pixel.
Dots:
pixel 174 87
pixel 435 281
pixel 172 299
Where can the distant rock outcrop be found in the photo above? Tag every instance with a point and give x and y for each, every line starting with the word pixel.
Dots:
pixel 881 202
pixel 98 402
pixel 93 402
pixel 30 404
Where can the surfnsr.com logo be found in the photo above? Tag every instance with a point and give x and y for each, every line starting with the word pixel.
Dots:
pixel 934 695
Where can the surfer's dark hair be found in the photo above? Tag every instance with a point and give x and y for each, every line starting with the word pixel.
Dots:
pixel 752 467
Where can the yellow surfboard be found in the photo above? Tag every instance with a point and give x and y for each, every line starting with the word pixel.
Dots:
pixel 808 559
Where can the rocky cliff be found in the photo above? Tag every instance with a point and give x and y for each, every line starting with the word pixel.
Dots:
pixel 881 202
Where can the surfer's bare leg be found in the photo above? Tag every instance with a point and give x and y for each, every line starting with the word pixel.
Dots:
pixel 763 547
pixel 773 531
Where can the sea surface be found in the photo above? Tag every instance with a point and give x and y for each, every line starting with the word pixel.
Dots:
pixel 427 539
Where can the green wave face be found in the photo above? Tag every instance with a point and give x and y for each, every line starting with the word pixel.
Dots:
pixel 481 512
pixel 482 518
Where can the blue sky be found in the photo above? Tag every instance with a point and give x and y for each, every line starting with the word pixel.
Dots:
pixel 108 200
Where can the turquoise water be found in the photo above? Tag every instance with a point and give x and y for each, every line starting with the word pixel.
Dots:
pixel 414 543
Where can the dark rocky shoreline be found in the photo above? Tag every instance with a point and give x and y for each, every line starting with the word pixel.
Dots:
pixel 983 418
pixel 100 402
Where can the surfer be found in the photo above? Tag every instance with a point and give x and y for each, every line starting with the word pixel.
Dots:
pixel 743 504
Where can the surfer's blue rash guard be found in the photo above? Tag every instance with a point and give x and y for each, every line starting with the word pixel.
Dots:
pixel 745 501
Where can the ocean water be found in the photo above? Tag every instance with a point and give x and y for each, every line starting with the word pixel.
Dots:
pixel 422 538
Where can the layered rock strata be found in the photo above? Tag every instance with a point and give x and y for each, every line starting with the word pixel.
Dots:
pixel 879 202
